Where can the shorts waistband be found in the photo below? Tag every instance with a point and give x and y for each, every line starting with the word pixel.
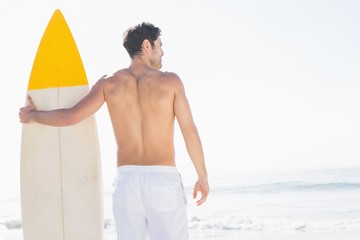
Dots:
pixel 150 169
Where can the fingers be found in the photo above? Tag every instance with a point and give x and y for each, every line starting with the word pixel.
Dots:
pixel 21 115
pixel 195 193
pixel 204 195
pixel 25 113
pixel 201 201
pixel 203 188
pixel 30 105
pixel 30 102
pixel 104 76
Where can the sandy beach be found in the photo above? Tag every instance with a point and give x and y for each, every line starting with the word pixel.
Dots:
pixel 336 235
pixel 237 235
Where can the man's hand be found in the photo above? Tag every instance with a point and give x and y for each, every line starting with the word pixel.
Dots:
pixel 201 186
pixel 26 113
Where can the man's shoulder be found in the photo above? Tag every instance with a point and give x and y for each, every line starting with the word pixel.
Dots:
pixel 170 75
pixel 118 75
pixel 171 78
pixel 108 81
pixel 122 73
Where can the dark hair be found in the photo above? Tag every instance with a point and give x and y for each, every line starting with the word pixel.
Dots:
pixel 135 36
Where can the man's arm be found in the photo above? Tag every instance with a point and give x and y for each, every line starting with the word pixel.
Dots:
pixel 66 116
pixel 192 140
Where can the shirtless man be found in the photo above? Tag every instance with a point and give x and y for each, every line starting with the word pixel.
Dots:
pixel 143 103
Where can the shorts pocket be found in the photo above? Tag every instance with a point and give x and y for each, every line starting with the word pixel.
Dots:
pixel 164 197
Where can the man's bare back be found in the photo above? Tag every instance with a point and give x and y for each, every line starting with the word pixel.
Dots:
pixel 143 103
pixel 141 108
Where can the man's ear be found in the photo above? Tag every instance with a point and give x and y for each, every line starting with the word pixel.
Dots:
pixel 146 45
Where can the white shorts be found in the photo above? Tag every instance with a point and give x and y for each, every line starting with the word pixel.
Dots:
pixel 149 201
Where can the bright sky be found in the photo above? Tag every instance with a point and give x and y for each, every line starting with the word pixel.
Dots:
pixel 272 84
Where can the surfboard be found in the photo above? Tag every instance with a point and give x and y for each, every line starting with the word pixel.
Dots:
pixel 60 169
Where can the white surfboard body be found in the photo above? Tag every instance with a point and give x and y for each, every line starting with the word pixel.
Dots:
pixel 60 168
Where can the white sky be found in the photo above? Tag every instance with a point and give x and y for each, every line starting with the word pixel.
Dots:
pixel 272 84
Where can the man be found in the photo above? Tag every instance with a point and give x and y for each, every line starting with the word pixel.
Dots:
pixel 143 102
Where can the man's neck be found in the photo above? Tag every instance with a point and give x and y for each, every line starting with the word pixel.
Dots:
pixel 139 66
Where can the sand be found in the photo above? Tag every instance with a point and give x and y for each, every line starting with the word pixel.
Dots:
pixel 237 235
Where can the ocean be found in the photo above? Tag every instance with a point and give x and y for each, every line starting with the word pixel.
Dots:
pixel 321 200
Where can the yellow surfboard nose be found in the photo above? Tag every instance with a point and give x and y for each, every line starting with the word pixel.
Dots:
pixel 57 62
